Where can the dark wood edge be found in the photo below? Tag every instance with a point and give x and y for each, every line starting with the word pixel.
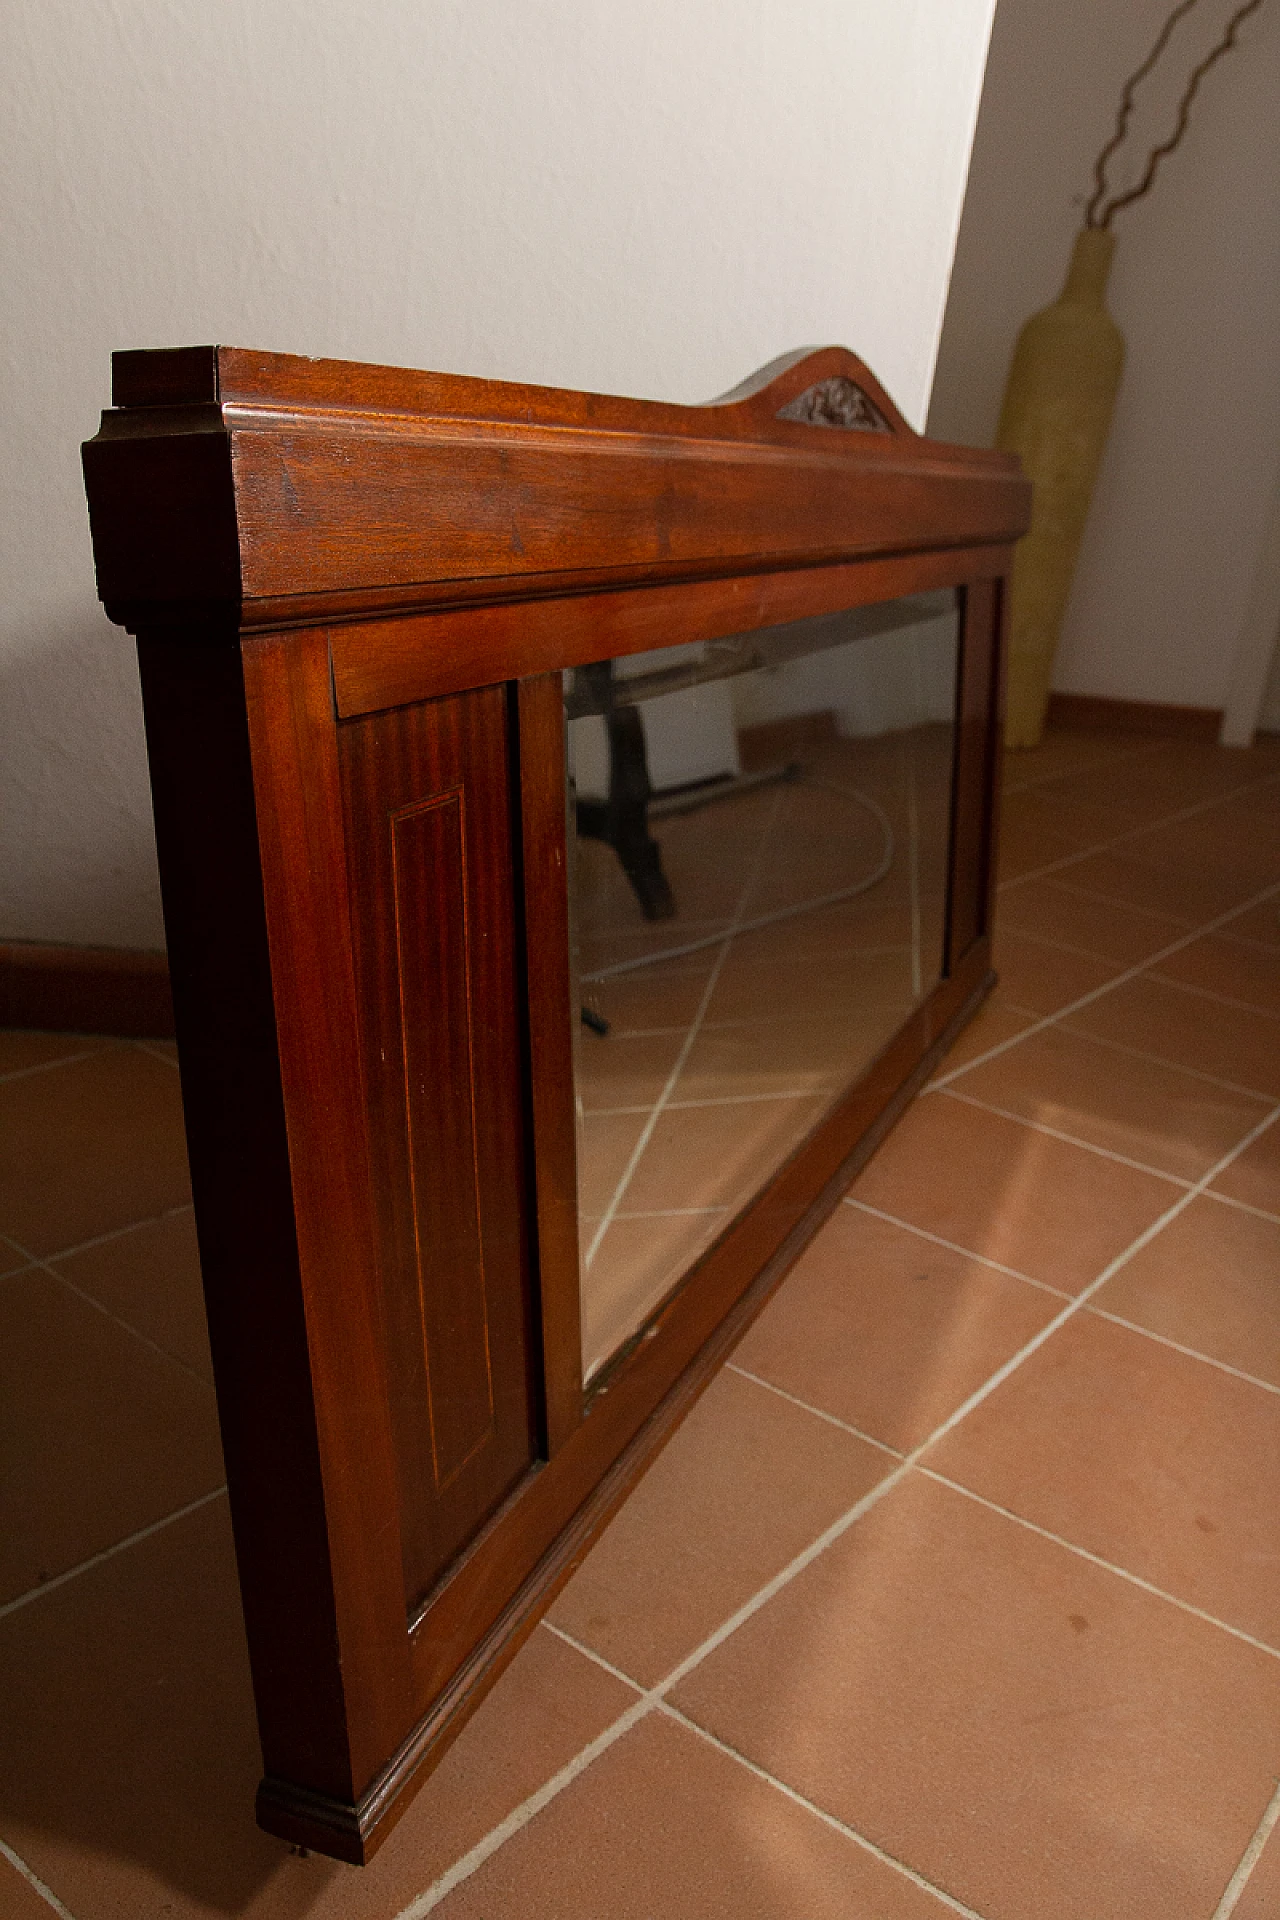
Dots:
pixel 354 1832
pixel 543 890
pixel 393 661
pixel 58 989
pixel 1088 712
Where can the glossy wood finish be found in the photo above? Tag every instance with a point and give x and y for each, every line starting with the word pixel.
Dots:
pixel 428 837
pixel 355 590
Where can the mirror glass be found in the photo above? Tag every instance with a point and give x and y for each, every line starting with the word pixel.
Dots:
pixel 759 831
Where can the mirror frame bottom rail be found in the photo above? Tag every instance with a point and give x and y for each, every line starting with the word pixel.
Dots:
pixel 354 590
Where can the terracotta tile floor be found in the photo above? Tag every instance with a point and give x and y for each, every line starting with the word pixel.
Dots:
pixel 959 1591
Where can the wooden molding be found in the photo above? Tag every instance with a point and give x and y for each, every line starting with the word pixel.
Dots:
pixel 245 465
pixel 118 990
pixel 1088 711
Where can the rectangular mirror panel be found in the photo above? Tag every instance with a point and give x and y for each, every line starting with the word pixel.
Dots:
pixel 760 829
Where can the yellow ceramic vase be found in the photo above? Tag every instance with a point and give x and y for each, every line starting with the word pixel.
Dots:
pixel 1057 410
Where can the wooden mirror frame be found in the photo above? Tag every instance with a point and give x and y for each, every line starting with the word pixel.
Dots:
pixel 354 589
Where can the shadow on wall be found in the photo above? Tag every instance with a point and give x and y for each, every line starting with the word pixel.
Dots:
pixel 71 744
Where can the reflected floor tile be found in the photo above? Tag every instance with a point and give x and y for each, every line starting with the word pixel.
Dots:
pixel 1165 1118
pixel 104 1435
pixel 746 1484
pixel 888 1331
pixel 652 998
pixel 1211 1281
pixel 636 1264
pixel 1032 1733
pixel 718 1155
pixel 144 1657
pixel 995 1187
pixel 755 984
pixel 90 1146
pixel 786 1056
pixel 625 1070
pixel 1160 1464
pixel 606 1142
pixel 664 1824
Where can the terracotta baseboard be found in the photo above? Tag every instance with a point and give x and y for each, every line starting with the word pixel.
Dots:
pixel 1088 711
pixel 85 990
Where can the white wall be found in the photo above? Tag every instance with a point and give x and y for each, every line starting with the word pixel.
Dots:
pixel 1190 475
pixel 644 199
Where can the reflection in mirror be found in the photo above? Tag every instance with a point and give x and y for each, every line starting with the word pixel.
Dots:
pixel 758 894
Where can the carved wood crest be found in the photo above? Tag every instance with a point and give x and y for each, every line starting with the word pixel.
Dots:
pixel 837 402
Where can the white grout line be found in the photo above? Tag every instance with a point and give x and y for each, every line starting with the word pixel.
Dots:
pixel 1191 1353
pixel 1108 1566
pixel 34 1881
pixel 656 1695
pixel 47 1066
pixel 1065 946
pixel 669 1213
pixel 953 1246
pixel 1152 826
pixel 1247 940
pixel 1218 999
pixel 1243 1206
pixel 126 1326
pixel 112 1233
pixel 820 1813
pixel 1087 999
pixel 819 1413
pixel 596 1659
pixel 520 1816
pixel 1176 1066
pixel 1148 1333
pixel 717 1100
pixel 108 1553
pixel 145 1046
pixel 673 1077
pixel 1249 1859
pixel 1107 759
pixel 1057 1133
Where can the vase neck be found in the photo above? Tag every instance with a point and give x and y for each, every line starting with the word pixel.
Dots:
pixel 1086 280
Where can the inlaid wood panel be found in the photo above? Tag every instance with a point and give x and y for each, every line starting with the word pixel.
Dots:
pixel 429 837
